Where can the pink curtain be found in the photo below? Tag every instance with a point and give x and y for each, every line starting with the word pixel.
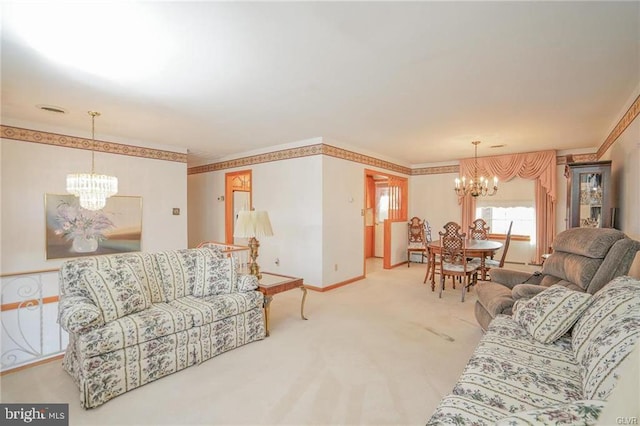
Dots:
pixel 538 166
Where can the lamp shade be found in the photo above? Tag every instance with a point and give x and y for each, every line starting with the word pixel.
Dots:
pixel 244 225
pixel 263 224
pixel 252 224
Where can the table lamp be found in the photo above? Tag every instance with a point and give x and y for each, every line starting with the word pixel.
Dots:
pixel 252 224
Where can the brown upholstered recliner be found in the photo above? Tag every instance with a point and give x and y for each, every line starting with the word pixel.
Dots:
pixel 583 259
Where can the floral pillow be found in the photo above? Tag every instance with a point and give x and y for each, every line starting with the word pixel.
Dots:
pixel 218 276
pixel 117 292
pixel 551 313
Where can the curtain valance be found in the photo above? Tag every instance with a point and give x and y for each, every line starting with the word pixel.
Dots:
pixel 532 165
pixel 538 166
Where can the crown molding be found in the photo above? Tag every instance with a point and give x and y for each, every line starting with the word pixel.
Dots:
pixel 55 139
pixel 561 160
pixel 622 125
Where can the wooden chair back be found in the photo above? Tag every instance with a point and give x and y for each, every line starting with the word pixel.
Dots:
pixel 478 230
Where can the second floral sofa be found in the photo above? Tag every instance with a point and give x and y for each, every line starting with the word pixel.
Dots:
pixel 134 318
pixel 557 360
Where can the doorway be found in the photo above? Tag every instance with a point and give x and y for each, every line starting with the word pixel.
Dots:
pixel 238 197
pixel 386 203
pixel 376 212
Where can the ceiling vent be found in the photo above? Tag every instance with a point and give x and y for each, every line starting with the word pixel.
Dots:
pixel 52 108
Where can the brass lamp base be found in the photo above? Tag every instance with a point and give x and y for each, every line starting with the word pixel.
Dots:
pixel 254 269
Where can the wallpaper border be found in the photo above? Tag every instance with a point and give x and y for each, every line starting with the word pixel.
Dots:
pixel 625 121
pixel 47 138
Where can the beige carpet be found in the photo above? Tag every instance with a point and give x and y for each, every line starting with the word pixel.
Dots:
pixel 383 350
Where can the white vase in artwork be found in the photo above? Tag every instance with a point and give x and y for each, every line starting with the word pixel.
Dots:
pixel 82 244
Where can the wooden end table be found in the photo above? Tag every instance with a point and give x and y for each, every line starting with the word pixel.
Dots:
pixel 270 284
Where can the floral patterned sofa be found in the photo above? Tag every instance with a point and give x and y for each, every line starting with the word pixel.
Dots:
pixel 136 317
pixel 555 361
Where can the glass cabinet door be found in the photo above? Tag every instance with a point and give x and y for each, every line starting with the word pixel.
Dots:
pixel 590 200
pixel 589 195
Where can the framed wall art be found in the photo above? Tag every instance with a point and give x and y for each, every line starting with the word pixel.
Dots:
pixel 72 231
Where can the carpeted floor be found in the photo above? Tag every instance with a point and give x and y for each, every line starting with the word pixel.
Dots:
pixel 383 350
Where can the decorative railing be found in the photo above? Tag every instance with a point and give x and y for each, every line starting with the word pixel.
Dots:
pixel 241 253
pixel 29 309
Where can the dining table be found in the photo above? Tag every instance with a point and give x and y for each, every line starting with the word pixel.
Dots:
pixel 473 248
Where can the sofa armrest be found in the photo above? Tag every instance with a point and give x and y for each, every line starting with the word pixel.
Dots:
pixel 508 277
pixel 77 314
pixel 526 291
pixel 247 282
pixel 582 412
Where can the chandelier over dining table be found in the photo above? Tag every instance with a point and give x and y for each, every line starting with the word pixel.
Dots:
pixel 476 186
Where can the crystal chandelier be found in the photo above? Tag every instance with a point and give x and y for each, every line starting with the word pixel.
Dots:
pixel 475 186
pixel 92 189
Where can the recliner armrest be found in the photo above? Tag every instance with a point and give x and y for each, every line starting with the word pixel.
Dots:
pixel 508 277
pixel 526 291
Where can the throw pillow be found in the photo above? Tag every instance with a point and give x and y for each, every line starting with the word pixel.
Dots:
pixel 218 276
pixel 117 292
pixel 605 335
pixel 550 314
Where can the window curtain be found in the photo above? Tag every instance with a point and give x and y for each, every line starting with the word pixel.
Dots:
pixel 538 166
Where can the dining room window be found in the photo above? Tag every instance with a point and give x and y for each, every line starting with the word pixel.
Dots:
pixel 499 217
pixel 515 201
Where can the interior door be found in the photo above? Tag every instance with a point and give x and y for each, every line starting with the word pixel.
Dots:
pixel 237 197
pixel 381 214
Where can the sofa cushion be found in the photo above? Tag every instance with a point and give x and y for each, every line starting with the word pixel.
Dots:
pixel 177 270
pixel 117 292
pixel 606 334
pixel 572 268
pixel 510 372
pixel 584 412
pixel 159 320
pixel 143 264
pixel 205 310
pixel 551 313
pixel 215 275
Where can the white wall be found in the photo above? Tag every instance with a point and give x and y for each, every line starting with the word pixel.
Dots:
pixel 291 192
pixel 398 243
pixel 431 197
pixel 315 205
pixel 206 213
pixel 625 156
pixel 31 170
pixel 343 223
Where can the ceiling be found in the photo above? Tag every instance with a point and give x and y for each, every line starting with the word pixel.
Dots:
pixel 415 82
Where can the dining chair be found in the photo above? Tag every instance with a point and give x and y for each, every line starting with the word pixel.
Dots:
pixel 454 263
pixel 451 229
pixel 492 263
pixel 417 240
pixel 478 230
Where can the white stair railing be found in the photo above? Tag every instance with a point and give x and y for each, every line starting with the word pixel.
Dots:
pixel 30 331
